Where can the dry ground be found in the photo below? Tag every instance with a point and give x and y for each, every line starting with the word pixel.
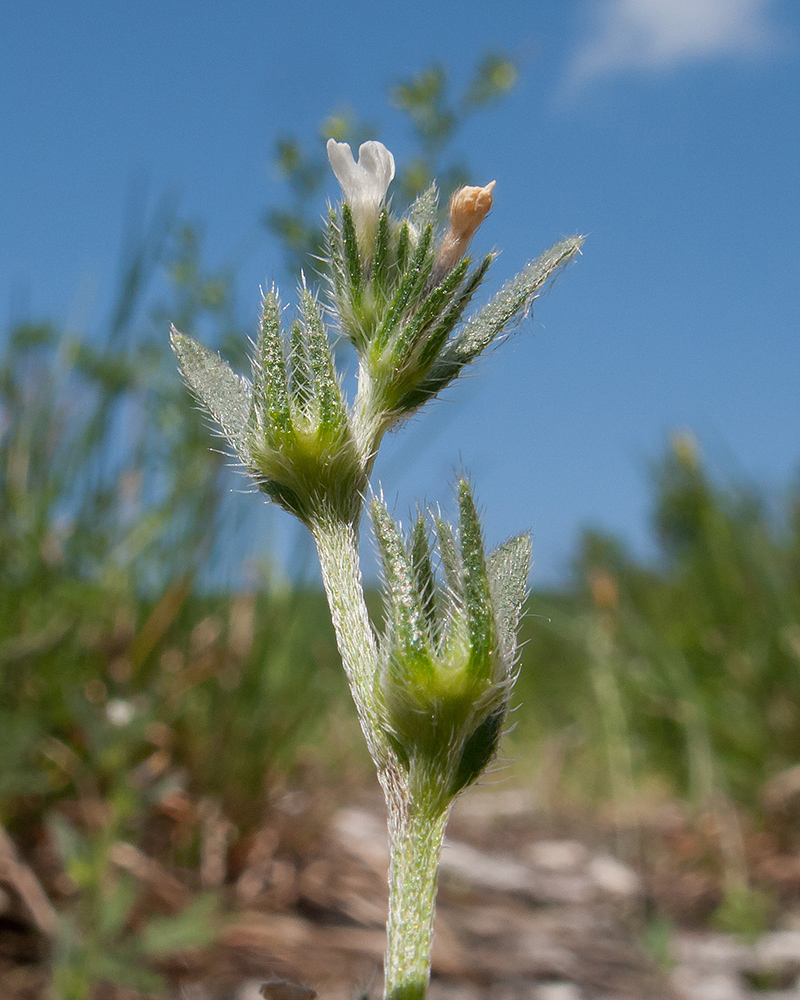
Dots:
pixel 547 908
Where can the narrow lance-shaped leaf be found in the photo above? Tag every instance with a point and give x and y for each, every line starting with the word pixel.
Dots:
pixel 477 596
pixel 451 562
pixel 403 246
pixel 454 312
pixel 222 392
pixel 407 615
pixel 301 381
pixel 425 209
pixel 381 265
pixel 410 286
pixel 514 299
pixel 441 374
pixel 270 387
pixel 423 575
pixel 352 256
pixel 434 303
pixel 479 750
pixel 508 567
pixel 323 373
pixel 334 240
pixel 451 613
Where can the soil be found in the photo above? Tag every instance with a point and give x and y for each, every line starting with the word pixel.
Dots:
pixel 548 908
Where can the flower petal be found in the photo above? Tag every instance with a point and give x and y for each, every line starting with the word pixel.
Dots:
pixel 378 163
pixel 343 165
pixel 366 181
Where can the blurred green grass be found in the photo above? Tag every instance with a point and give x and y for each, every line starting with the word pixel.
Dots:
pixel 682 672
pixel 112 508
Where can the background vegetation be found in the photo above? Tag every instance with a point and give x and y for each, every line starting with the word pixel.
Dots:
pixel 140 678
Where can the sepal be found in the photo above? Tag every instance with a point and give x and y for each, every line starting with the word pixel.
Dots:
pixel 425 210
pixel 224 394
pixel 512 303
pixel 290 427
pixel 448 653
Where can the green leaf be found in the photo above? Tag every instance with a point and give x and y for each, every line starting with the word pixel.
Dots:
pixel 350 244
pixel 333 243
pixel 225 395
pixel 270 387
pixel 425 210
pixel 116 906
pixel 124 967
pixel 456 310
pixel 508 567
pixel 513 300
pixel 422 569
pixel 432 306
pixel 301 381
pixel 70 843
pixel 403 247
pixel 451 560
pixel 408 290
pixel 438 372
pixel 477 596
pixel 323 373
pixel 407 616
pixel 479 749
pixel 381 265
pixel 495 76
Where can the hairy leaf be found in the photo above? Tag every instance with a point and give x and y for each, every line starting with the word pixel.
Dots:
pixel 224 394
pixel 508 567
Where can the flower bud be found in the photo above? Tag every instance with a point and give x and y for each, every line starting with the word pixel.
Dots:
pixel 469 206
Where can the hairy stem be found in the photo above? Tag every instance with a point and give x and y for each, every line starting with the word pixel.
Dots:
pixel 337 547
pixel 415 837
pixel 415 831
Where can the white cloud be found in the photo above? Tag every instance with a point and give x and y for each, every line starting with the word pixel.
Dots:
pixel 651 35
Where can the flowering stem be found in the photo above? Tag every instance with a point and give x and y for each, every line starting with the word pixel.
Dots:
pixel 415 837
pixel 416 828
pixel 337 547
pixel 433 692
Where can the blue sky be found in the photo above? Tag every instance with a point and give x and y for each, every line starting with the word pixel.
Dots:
pixel 667 131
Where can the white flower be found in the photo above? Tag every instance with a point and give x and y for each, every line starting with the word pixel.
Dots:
pixel 364 184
